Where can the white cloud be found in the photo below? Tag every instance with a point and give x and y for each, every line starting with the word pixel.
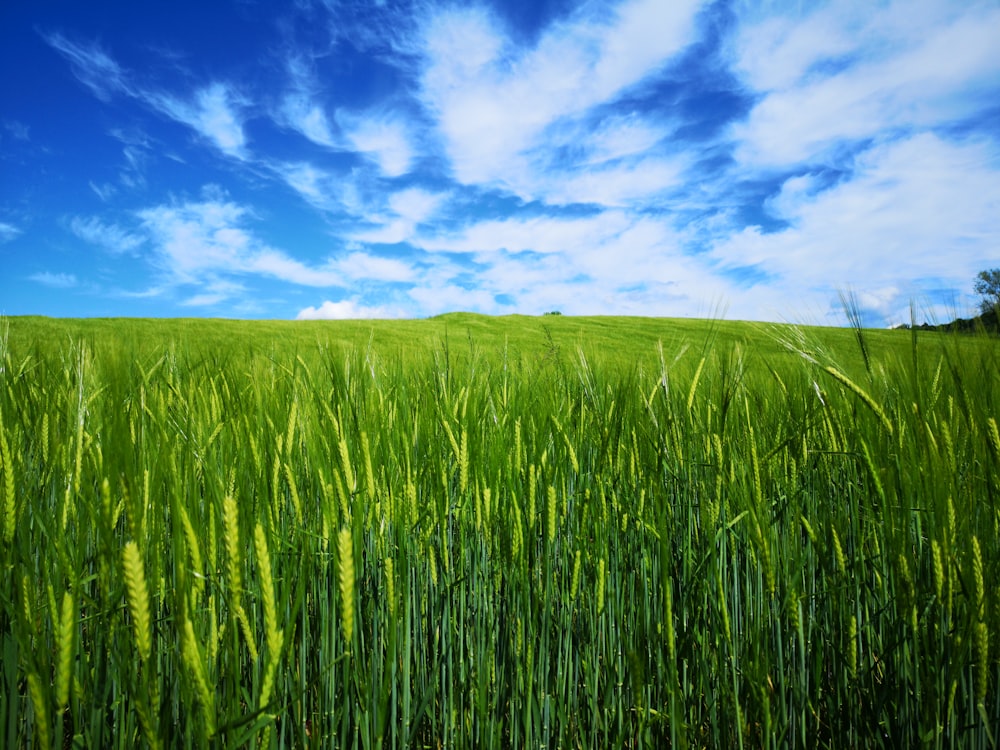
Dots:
pixel 215 113
pixel 300 110
pixel 617 185
pixel 280 266
pixel 614 262
pixel 434 299
pixel 353 192
pixel 108 236
pixel 502 136
pixel 406 209
pixel 309 119
pixel 316 186
pixel 215 292
pixel 390 232
pixel 921 208
pixel 209 238
pixel 619 136
pixel 777 52
pixel 383 138
pixel 493 103
pixel 835 78
pixel 18 130
pixel 346 310
pixel 415 204
pixel 104 191
pixel 360 266
pixel 55 280
pixel 92 66
pixel 542 234
pixel 8 231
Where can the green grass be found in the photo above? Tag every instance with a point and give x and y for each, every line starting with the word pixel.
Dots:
pixel 497 532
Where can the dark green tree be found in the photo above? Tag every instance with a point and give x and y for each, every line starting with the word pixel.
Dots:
pixel 988 287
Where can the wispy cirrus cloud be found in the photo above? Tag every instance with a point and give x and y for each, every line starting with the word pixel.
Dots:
pixel 539 234
pixel 214 111
pixel 54 280
pixel 92 66
pixel 381 136
pixel 16 129
pixel 361 266
pixel 210 238
pixel 301 108
pixel 105 235
pixel 8 231
pixel 215 292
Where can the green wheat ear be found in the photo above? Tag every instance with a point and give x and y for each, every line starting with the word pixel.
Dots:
pixel 41 711
pixel 67 622
pixel 9 506
pixel 231 539
pixel 273 633
pixel 862 394
pixel 138 599
pixel 345 579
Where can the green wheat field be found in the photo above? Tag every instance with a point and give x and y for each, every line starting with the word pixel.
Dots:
pixel 472 532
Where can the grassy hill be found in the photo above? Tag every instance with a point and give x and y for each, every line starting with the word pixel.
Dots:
pixel 622 341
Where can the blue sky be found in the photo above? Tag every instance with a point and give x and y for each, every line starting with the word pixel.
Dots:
pixel 403 159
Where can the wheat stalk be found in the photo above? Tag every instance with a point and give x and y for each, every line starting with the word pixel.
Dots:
pixel 601 575
pixel 193 550
pixel 575 579
pixel 293 490
pixel 191 653
pixel 978 578
pixel 345 462
pixel 852 647
pixel 432 564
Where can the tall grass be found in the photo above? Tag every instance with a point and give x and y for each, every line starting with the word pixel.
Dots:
pixel 325 547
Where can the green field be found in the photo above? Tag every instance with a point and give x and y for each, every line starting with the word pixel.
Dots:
pixel 497 532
